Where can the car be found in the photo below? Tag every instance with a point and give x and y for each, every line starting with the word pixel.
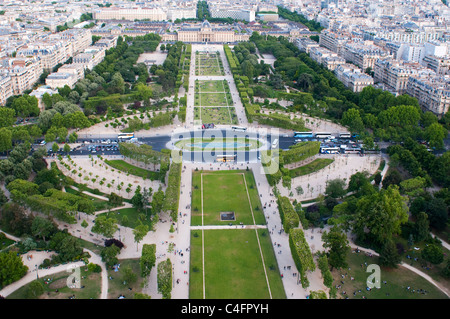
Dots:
pixel 43 142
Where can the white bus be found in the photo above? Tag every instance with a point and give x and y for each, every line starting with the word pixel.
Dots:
pixel 238 128
pixel 329 150
pixel 125 136
pixel 322 135
pixel 345 135
pixel 275 143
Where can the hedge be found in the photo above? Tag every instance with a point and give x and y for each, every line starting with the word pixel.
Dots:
pixel 164 278
pixel 173 190
pixel 148 259
pixel 289 217
pixel 301 254
pixel 300 152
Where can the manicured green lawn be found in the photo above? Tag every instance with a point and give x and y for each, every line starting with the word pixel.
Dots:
pixel 118 285
pixel 133 217
pixel 205 86
pixel 233 266
pixel 133 170
pixel 212 99
pixel 186 144
pixel 216 115
pixel 312 167
pixel 208 64
pixel 90 281
pixel 398 280
pixel 233 198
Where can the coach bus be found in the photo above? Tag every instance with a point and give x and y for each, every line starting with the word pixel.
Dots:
pixel 226 158
pixel 125 136
pixel 345 135
pixel 329 150
pixel 238 128
pixel 322 135
pixel 303 134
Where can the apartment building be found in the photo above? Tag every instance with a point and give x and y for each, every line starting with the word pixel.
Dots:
pixel 305 44
pixel 333 41
pixel 363 54
pixel 233 13
pixel 440 65
pixel 6 88
pixel 59 80
pixel 432 92
pixel 24 73
pixel 318 54
pixel 181 13
pixel 131 14
pixel 352 77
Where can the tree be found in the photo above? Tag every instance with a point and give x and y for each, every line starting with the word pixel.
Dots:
pixel 66 148
pixel 73 137
pixel 433 254
pixel 337 242
pixel 421 227
pixel 380 215
pixel 117 83
pixel 55 147
pixel 5 139
pixel 136 200
pixel 437 213
pixel 139 233
pixel 7 116
pixel 335 188
pixel 389 256
pixel 11 268
pixel 105 226
pixel 109 254
pixel 42 227
pixel 353 120
pixel 435 134
pixel 277 81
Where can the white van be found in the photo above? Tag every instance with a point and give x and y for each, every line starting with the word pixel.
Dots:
pixel 275 143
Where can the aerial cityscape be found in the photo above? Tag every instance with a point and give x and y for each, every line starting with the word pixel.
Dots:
pixel 224 150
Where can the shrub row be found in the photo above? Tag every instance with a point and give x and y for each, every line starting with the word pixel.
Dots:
pixel 289 217
pixel 301 254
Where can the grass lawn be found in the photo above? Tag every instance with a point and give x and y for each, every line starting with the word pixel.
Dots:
pixel 397 281
pixel 118 284
pixel 312 167
pixel 231 186
pixel 133 170
pixel 89 280
pixel 208 64
pixel 133 216
pixel 199 144
pixel 233 266
pixel 216 115
pixel 5 242
pixel 213 99
pixel 416 260
pixel 212 86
